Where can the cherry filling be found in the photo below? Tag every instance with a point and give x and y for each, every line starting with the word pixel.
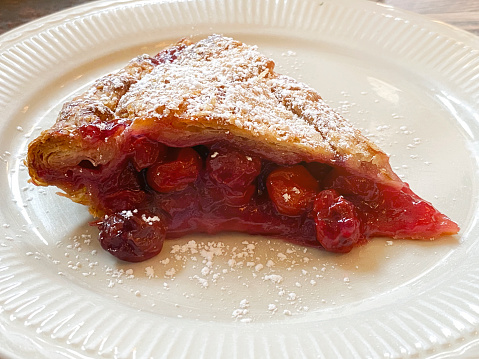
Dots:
pixel 387 211
pixel 157 192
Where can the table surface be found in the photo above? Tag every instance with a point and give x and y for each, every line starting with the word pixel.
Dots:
pixel 460 13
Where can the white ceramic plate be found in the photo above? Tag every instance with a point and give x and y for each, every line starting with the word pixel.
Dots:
pixel 410 83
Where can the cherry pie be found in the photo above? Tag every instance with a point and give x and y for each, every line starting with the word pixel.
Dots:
pixel 207 137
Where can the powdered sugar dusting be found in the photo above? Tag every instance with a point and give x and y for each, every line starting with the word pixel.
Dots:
pixel 240 278
pixel 220 83
pixel 150 219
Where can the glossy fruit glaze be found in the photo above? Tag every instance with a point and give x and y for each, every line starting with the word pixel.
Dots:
pixel 155 192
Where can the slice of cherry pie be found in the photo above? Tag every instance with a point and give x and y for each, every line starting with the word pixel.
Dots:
pixel 207 137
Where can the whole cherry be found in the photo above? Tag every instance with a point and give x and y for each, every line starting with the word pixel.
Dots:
pixel 132 236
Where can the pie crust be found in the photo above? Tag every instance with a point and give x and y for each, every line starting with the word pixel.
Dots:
pixel 207 137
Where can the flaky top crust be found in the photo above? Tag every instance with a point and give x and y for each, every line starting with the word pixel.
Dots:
pixel 197 93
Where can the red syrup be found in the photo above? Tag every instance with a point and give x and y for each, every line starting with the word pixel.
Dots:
pixel 218 188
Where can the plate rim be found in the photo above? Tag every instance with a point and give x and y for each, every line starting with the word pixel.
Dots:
pixel 13 36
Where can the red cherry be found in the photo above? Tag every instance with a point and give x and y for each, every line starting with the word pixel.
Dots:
pixel 338 229
pixel 234 172
pixel 291 189
pixel 145 152
pixel 132 236
pixel 232 167
pixel 176 174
